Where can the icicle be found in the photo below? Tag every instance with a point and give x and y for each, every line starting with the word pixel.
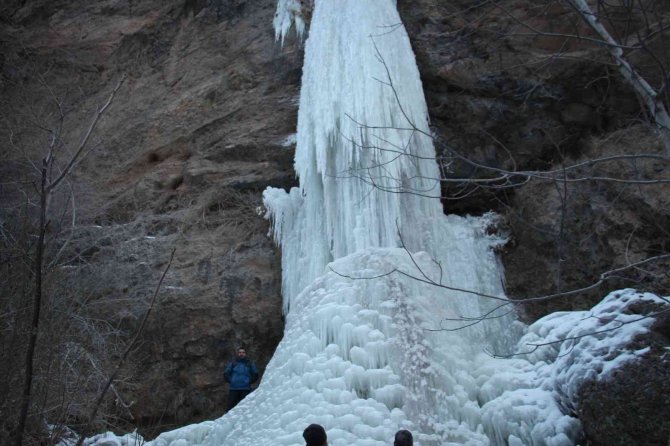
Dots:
pixel 288 12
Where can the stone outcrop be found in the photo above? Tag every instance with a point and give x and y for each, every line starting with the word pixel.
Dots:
pixel 632 407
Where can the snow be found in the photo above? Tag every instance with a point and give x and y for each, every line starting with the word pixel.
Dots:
pixel 377 281
pixel 594 343
pixel 563 351
pixel 356 359
pixel 290 140
pixel 106 439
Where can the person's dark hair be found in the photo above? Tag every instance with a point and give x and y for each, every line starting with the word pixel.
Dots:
pixel 315 435
pixel 403 438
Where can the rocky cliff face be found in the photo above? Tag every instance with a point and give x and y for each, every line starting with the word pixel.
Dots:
pixel 199 128
pixel 179 160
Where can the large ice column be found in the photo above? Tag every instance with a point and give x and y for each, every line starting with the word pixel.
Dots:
pixel 364 156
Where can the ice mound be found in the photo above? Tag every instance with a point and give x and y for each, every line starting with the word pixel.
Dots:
pixel 358 358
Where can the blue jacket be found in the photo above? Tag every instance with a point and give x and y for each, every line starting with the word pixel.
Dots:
pixel 240 374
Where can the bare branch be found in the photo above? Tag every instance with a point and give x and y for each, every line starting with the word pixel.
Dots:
pixel 535 346
pixel 645 91
pixel 84 141
pixel 130 346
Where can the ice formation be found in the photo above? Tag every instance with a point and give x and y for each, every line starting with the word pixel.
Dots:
pixel 288 12
pixel 380 287
pixel 359 186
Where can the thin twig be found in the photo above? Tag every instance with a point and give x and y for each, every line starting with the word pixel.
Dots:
pixel 130 346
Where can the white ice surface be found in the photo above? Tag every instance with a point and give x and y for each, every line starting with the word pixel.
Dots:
pixel 587 345
pixel 354 181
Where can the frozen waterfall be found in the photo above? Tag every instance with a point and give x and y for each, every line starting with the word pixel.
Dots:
pixel 379 285
pixel 368 189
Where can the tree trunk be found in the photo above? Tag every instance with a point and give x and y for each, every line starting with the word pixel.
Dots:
pixel 646 92
pixel 37 305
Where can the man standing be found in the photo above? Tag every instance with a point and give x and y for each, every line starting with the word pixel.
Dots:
pixel 240 373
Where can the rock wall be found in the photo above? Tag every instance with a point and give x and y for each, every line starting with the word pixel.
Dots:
pixel 196 132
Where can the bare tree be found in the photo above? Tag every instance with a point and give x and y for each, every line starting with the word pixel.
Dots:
pixel 50 179
pixel 34 213
pixel 650 97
